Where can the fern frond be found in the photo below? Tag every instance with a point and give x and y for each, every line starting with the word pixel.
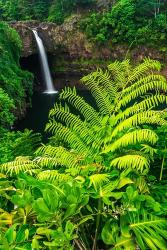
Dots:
pixel 59 107
pixel 73 122
pixel 141 184
pixel 68 136
pixel 104 80
pixel 20 164
pixel 147 104
pixel 137 162
pixel 117 71
pixel 89 113
pixel 147 117
pixel 147 149
pixel 141 90
pixel 52 156
pixel 132 138
pixel 100 95
pixel 143 68
pixel 98 179
pixel 142 81
pixel 52 175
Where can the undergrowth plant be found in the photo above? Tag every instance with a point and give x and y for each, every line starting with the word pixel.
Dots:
pixel 89 188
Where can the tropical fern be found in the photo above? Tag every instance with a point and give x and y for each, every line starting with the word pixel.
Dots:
pixel 52 175
pixel 98 179
pixel 143 68
pixel 137 162
pixel 100 94
pixel 88 112
pixel 97 136
pixel 68 136
pixel 137 136
pixel 20 164
pixel 146 117
pixel 53 156
pixel 73 122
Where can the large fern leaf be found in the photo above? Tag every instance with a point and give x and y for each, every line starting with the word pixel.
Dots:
pixel 20 164
pixel 143 69
pixel 137 162
pixel 148 103
pixel 88 112
pixel 100 95
pixel 68 136
pixel 131 138
pixel 146 117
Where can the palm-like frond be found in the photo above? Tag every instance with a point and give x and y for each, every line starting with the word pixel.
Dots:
pixel 131 138
pixel 53 156
pixel 137 162
pixel 88 112
pixel 52 175
pixel 143 69
pixel 149 232
pixel 20 164
pixel 100 94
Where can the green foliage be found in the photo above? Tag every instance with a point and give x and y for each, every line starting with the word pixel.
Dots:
pixel 90 186
pixel 122 21
pixel 6 106
pixel 129 21
pixel 54 11
pixel 16 83
pixel 13 144
pixel 24 9
pixel 60 9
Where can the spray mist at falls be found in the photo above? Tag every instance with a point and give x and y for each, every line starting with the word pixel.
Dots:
pixel 44 63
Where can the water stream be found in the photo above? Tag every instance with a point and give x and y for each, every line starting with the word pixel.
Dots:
pixel 44 64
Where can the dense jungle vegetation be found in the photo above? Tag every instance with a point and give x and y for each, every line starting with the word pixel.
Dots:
pixel 15 94
pixel 117 21
pixel 100 181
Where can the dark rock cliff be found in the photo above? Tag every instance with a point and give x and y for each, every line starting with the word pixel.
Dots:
pixel 69 42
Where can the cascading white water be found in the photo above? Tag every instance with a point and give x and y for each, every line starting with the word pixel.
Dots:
pixel 44 63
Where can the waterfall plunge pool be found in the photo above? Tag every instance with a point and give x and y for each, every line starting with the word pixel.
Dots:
pixel 37 116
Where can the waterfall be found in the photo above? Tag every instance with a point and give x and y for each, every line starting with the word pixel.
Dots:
pixel 44 63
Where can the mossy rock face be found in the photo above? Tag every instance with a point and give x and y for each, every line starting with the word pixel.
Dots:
pixel 67 40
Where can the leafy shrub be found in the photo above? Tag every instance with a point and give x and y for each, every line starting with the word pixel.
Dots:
pixel 126 22
pixel 14 144
pixel 6 107
pixel 54 11
pixel 60 9
pixel 16 83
